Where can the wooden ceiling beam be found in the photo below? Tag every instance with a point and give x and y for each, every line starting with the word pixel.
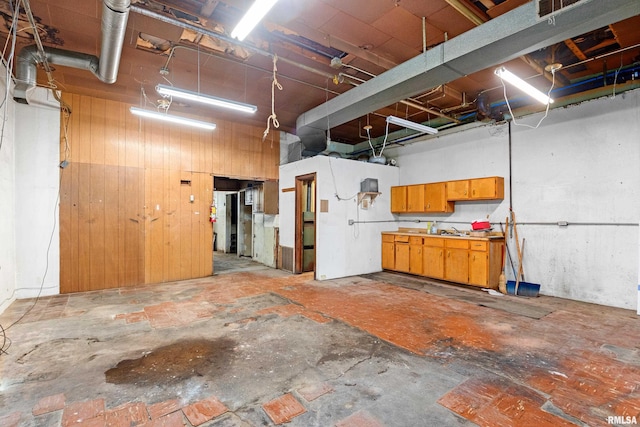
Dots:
pixel 208 7
pixel 472 13
pixel 573 47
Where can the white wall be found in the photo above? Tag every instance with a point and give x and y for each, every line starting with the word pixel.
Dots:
pixel 341 249
pixel 582 165
pixel 220 226
pixel 29 184
pixel 7 198
pixel 37 157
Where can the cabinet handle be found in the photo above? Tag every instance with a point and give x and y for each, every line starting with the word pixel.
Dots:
pixel 440 253
pixel 428 205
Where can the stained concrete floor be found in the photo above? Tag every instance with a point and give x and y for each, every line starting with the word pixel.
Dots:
pixel 253 346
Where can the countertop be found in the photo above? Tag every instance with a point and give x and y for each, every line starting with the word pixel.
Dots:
pixel 423 233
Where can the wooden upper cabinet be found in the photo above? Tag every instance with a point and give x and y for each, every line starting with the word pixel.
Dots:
pixel 399 199
pixel 487 188
pixel 439 197
pixel 415 198
pixel 435 198
pixel 458 190
pixel 490 188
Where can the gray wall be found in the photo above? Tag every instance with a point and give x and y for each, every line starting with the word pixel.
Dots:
pixel 582 165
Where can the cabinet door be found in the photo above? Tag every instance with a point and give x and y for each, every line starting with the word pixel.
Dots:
pixel 458 190
pixel 402 257
pixel 388 256
pixel 435 198
pixel 399 199
pixel 456 265
pixel 415 259
pixel 415 198
pixel 487 188
pixel 433 262
pixel 478 268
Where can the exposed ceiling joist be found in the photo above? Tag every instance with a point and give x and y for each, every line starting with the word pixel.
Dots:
pixel 509 36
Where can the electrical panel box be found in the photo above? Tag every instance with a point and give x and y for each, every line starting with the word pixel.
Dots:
pixel 369 185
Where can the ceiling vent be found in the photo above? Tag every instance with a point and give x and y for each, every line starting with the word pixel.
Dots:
pixel 547 9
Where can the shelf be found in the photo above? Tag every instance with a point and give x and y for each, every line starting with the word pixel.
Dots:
pixel 367 195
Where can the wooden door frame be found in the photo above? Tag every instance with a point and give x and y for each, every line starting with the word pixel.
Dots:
pixel 298 245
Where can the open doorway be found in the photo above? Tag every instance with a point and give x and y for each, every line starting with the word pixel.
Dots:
pixel 246 220
pixel 305 242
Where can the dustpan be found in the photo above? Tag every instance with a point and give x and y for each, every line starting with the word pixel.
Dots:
pixel 525 289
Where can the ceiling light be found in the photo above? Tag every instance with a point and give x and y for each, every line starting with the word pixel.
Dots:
pixel 172 119
pixel 205 99
pixel 256 12
pixel 411 125
pixel 504 74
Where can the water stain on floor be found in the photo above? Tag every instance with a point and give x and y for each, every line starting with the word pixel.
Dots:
pixel 173 363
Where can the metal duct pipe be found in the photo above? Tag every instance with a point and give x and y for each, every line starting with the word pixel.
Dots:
pixel 114 23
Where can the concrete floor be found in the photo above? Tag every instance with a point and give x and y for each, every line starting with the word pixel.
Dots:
pixel 253 346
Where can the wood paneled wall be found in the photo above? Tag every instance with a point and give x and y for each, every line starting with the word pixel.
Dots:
pixel 125 212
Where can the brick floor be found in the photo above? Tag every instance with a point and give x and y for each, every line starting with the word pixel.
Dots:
pixel 283 409
pixel 161 409
pixel 127 415
pixel 204 410
pixel 11 420
pixel 314 391
pixel 294 309
pixel 81 413
pixel 359 419
pixel 175 419
pixel 49 404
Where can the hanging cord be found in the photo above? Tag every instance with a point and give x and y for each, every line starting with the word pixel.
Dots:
pixel 615 78
pixel 274 84
pixel 384 142
pixel 546 112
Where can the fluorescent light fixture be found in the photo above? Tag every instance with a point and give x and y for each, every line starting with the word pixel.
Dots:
pixel 256 12
pixel 205 99
pixel 507 75
pixel 411 125
pixel 172 119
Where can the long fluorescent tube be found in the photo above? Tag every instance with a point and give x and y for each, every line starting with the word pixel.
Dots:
pixel 205 99
pixel 256 12
pixel 411 125
pixel 172 119
pixel 507 75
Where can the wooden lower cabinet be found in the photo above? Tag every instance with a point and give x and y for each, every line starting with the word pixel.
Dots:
pixel 433 258
pixel 415 255
pixel 456 259
pixel 478 268
pixel 402 257
pixel 388 253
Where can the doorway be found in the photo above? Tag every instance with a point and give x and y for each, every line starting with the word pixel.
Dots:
pixel 245 222
pixel 305 241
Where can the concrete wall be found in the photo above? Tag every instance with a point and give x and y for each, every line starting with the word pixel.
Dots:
pixel 341 249
pixel 7 197
pixel 29 185
pixel 37 159
pixel 581 166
